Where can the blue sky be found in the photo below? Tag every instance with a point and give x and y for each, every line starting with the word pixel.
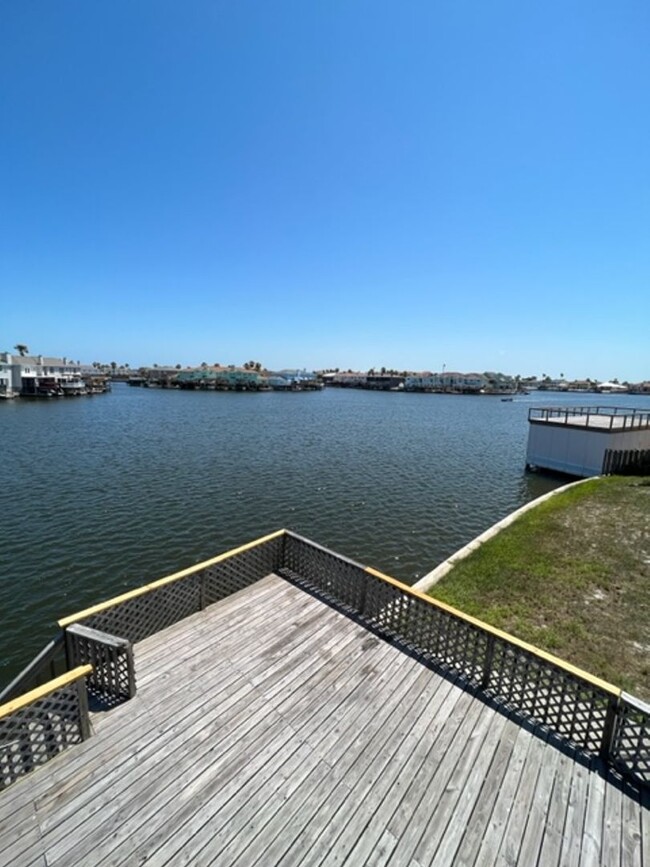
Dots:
pixel 347 184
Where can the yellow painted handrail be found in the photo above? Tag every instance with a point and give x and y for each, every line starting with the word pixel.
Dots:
pixel 498 633
pixel 405 588
pixel 169 579
pixel 47 689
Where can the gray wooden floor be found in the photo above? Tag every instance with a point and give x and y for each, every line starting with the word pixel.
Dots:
pixel 272 730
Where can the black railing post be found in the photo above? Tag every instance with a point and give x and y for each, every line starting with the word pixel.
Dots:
pixel 487 665
pixel 609 730
pixel 84 719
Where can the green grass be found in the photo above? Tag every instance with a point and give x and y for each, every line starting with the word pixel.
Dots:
pixel 571 576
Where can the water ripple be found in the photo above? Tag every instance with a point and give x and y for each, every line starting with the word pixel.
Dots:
pixel 102 494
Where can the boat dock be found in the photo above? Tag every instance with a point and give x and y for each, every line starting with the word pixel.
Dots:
pixel 299 719
pixel 588 441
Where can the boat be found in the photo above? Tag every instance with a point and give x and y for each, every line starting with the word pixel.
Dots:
pixel 73 387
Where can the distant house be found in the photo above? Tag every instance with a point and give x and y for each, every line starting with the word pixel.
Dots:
pixel 350 380
pixel 424 381
pixel 384 381
pixel 226 378
pixel 32 375
pixel 449 381
pixel 467 383
pixel 6 380
pixel 297 375
pixel 498 383
pixel 612 387
pixel 580 385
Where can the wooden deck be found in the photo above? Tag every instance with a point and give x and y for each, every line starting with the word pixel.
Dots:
pixel 271 729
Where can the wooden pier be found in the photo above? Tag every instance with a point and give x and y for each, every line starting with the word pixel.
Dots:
pixel 274 728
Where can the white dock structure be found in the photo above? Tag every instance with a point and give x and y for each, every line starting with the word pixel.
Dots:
pixel 587 441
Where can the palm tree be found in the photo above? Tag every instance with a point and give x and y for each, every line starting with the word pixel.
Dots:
pixel 21 348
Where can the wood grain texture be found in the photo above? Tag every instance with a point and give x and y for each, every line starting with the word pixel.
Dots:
pixel 271 729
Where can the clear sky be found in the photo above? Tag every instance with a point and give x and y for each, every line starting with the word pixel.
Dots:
pixel 343 183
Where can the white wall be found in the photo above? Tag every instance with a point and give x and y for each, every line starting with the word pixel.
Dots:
pixel 578 451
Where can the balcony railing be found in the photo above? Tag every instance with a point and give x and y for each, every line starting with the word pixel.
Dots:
pixel 596 417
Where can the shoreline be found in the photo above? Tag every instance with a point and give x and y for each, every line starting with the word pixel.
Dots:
pixel 442 569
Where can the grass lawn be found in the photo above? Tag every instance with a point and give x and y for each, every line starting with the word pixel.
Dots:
pixel 571 576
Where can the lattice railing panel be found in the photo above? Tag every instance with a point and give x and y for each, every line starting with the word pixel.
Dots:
pixel 143 615
pixel 549 695
pixel 113 676
pixel 36 733
pixel 432 632
pixel 337 579
pixel 241 570
pixel 631 743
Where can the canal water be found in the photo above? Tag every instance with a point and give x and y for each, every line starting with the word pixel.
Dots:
pixel 101 494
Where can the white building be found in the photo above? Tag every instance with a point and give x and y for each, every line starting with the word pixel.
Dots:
pixel 587 441
pixel 6 389
pixel 38 374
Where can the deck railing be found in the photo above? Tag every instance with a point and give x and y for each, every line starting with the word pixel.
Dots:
pixel 617 418
pixel 104 634
pixel 40 724
pixel 586 712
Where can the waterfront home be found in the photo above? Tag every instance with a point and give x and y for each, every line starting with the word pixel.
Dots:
pixel 612 388
pixel 39 375
pixel 297 376
pixel 292 380
pixel 6 389
pixel 155 377
pixel 223 378
pixel 498 383
pixel 349 379
pixel 384 381
pixel 448 381
pixel 423 381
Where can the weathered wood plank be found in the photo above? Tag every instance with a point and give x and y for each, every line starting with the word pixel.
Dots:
pixel 459 808
pixel 514 830
pixel 365 821
pixel 371 726
pixel 631 851
pixel 20 837
pixel 472 833
pixel 593 828
pixel 610 852
pixel 523 767
pixel 575 816
pixel 271 729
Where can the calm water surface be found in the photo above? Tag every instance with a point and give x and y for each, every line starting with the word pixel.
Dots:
pixel 101 494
